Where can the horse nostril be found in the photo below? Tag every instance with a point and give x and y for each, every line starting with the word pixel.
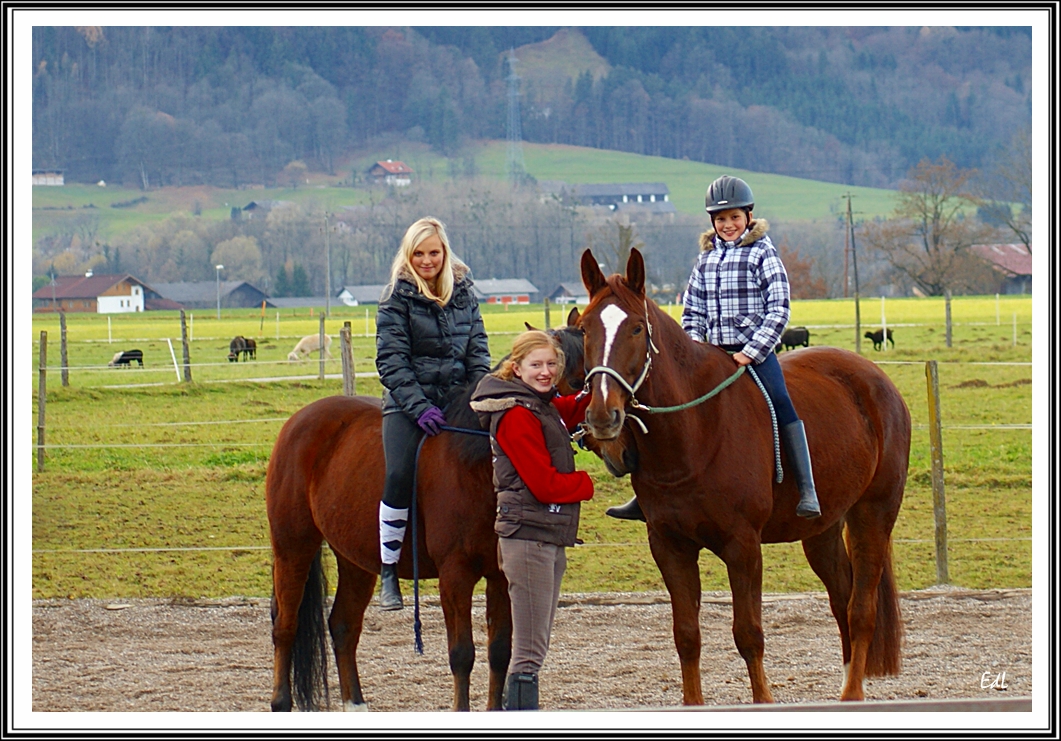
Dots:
pixel 615 418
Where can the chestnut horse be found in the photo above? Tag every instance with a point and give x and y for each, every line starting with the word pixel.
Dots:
pixel 325 482
pixel 705 475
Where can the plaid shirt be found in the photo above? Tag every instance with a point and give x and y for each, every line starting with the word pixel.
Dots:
pixel 738 294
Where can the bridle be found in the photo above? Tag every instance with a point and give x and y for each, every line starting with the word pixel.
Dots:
pixel 650 347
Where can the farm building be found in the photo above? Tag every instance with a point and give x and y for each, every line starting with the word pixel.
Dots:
pixel 1013 263
pixel 569 293
pixel 100 294
pixel 235 294
pixel 301 302
pixel 651 197
pixel 390 172
pixel 357 295
pixel 505 291
pixel 48 177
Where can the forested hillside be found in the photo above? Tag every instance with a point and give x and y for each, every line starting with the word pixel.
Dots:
pixel 235 106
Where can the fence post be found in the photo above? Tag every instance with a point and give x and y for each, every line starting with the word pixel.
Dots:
pixel 186 352
pixel 322 350
pixel 41 395
pixel 939 500
pixel 946 300
pixel 883 326
pixel 349 382
pixel 547 325
pixel 64 371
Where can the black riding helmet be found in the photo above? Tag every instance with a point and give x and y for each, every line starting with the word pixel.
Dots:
pixel 728 192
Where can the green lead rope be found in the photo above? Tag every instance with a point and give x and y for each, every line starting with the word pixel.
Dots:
pixel 713 392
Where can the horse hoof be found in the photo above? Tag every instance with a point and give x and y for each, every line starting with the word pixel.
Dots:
pixel 355 707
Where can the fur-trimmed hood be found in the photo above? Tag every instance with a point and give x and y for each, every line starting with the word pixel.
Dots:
pixel 489 406
pixel 460 272
pixel 757 230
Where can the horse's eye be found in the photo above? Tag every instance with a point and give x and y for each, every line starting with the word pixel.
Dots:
pixel 637 330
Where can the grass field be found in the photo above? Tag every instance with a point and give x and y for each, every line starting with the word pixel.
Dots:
pixel 193 474
pixel 117 210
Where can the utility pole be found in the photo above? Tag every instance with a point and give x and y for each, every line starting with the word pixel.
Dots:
pixel 514 164
pixel 328 267
pixel 854 266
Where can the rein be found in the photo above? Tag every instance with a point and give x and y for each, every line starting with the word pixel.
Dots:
pixel 418 638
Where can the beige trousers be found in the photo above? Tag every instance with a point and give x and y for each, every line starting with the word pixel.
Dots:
pixel 534 571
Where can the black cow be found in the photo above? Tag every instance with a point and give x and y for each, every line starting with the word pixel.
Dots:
pixel 235 347
pixel 878 338
pixel 126 357
pixel 250 348
pixel 794 337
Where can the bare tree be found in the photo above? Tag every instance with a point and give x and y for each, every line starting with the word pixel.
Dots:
pixel 1004 194
pixel 927 240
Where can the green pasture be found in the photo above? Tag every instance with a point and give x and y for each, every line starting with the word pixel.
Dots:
pixel 194 474
pixel 114 210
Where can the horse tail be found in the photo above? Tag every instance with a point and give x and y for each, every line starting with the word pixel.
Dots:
pixel 884 650
pixel 309 652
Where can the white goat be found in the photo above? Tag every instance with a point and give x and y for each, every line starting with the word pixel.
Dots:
pixel 309 345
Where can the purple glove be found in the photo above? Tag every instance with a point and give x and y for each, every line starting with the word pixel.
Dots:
pixel 431 421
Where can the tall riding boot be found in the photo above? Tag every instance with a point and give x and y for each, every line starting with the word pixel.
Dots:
pixel 521 692
pixel 392 524
pixel 794 438
pixel 629 511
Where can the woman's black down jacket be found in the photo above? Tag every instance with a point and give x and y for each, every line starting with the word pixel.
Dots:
pixel 425 351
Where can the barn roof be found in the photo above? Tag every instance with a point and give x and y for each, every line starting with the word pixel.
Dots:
pixel 504 287
pixel 364 294
pixel 1011 259
pixel 394 167
pixel 602 190
pixel 198 291
pixel 84 286
pixel 569 289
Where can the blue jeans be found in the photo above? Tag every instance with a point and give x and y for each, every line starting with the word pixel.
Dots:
pixel 769 372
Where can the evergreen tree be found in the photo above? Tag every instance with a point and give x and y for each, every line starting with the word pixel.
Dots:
pixel 299 281
pixel 283 284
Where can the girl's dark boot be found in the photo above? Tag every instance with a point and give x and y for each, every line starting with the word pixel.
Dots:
pixel 521 692
pixel 629 511
pixel 794 438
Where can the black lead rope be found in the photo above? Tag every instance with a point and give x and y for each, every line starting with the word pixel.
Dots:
pixel 418 641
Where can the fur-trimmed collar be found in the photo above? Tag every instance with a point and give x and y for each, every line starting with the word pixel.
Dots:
pixel 758 230
pixel 489 406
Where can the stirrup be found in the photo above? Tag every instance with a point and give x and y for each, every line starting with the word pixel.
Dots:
pixel 629 511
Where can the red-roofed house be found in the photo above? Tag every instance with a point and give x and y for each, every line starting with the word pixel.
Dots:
pixel 390 172
pixel 102 294
pixel 1012 261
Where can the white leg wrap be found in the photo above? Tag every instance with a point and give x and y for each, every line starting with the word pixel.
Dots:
pixel 392 523
pixel 847 670
pixel 353 707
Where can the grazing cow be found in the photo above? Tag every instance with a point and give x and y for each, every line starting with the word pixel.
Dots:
pixel 250 349
pixel 308 345
pixel 794 337
pixel 878 338
pixel 235 347
pixel 125 357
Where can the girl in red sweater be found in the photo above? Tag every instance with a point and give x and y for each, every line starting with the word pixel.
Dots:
pixel 538 495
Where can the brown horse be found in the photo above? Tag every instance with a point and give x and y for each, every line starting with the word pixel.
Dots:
pixel 704 475
pixel 325 482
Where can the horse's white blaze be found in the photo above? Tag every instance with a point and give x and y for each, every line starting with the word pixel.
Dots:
pixel 612 317
pixel 353 707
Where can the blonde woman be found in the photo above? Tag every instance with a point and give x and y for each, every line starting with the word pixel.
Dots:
pixel 430 342
pixel 538 496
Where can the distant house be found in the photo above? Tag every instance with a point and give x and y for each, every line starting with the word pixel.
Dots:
pixel 259 209
pixel 1013 263
pixel 390 172
pixel 235 294
pixel 99 294
pixel 651 197
pixel 569 293
pixel 505 291
pixel 47 177
pixel 357 295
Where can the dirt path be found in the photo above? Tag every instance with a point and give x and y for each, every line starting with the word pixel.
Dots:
pixel 608 651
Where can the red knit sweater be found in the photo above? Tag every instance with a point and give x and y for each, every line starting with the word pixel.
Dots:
pixel 519 433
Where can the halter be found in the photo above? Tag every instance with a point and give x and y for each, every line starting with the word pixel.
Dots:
pixel 632 388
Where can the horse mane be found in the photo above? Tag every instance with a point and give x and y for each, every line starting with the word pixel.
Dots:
pixel 471 449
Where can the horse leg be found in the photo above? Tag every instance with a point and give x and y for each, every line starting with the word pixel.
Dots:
pixel 353 594
pixel 744 562
pixel 290 571
pixel 499 636
pixel 869 538
pixel 678 563
pixel 827 557
pixel 455 585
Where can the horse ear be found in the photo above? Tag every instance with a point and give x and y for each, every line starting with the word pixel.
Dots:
pixel 635 272
pixel 528 326
pixel 592 277
pixel 573 317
